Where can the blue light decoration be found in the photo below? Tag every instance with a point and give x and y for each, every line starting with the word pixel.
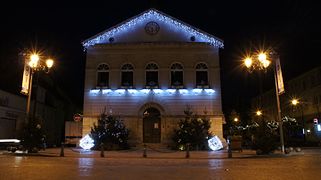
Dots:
pixel 153 14
pixel 159 92
pixel 215 143
pixel 86 142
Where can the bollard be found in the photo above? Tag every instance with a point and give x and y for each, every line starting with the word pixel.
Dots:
pixel 102 150
pixel 187 150
pixel 144 153
pixel 62 154
pixel 229 149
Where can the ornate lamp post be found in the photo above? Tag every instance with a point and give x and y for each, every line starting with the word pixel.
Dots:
pixel 35 64
pixel 260 61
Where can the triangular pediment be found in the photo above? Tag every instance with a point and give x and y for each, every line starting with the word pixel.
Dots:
pixel 152 26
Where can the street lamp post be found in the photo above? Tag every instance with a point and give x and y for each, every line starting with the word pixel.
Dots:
pixel 35 64
pixel 261 62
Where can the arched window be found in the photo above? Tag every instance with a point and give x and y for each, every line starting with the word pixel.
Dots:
pixel 127 75
pixel 201 75
pixel 176 75
pixel 151 75
pixel 103 75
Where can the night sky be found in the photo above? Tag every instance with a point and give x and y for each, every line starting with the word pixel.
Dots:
pixel 293 28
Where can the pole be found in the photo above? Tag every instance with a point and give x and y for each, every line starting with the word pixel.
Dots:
pixel 303 124
pixel 279 111
pixel 29 94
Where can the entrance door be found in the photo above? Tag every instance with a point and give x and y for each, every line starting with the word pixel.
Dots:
pixel 152 126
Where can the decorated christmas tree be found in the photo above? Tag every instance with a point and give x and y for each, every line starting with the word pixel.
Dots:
pixel 111 131
pixel 193 130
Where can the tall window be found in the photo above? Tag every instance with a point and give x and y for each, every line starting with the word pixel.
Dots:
pixel 177 75
pixel 127 75
pixel 152 75
pixel 103 75
pixel 201 75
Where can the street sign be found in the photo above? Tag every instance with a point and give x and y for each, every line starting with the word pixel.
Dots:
pixel 77 117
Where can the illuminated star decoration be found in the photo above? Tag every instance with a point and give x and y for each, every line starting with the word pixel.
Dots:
pixel 86 142
pixel 215 143
pixel 155 15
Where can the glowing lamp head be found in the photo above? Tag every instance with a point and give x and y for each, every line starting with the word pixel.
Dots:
pixel 258 113
pixel 262 57
pixel 266 63
pixel 294 102
pixel 236 119
pixel 49 63
pixel 248 62
pixel 34 58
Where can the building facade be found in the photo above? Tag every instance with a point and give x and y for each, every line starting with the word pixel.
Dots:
pixel 306 88
pixel 12 114
pixel 147 70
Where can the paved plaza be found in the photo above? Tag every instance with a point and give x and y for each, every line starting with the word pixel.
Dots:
pixel 78 164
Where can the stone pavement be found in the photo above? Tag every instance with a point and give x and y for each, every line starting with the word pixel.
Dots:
pixel 78 164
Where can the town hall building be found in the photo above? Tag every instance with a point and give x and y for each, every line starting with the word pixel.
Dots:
pixel 148 70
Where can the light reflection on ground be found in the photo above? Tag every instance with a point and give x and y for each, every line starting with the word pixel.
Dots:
pixel 85 166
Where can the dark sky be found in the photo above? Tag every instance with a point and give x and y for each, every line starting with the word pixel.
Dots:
pixel 291 27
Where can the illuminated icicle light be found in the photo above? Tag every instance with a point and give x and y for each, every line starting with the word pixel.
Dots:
pixel 152 14
pixel 145 91
pixel 319 127
pixel 197 91
pixel 215 143
pixel 171 91
pixel 106 91
pixel 183 91
pixel 94 91
pixel 132 91
pixel 120 91
pixel 158 91
pixel 209 91
pixel 86 142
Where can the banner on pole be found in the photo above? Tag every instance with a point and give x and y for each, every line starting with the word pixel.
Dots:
pixel 25 78
pixel 279 76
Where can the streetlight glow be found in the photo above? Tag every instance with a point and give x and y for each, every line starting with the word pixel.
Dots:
pixel 34 58
pixel 236 119
pixel 294 102
pixel 258 113
pixel 49 63
pixel 248 62
pixel 262 57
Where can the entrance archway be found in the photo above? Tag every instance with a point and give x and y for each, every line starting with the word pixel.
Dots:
pixel 151 125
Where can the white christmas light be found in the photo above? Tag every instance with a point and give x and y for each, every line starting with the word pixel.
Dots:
pixel 154 15
pixel 158 92
pixel 106 91
pixel 120 91
pixel 132 91
pixel 197 90
pixel 215 143
pixel 171 91
pixel 86 142
pixel 183 91
pixel 145 91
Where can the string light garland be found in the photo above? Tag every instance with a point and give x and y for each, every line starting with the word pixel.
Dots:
pixel 153 14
